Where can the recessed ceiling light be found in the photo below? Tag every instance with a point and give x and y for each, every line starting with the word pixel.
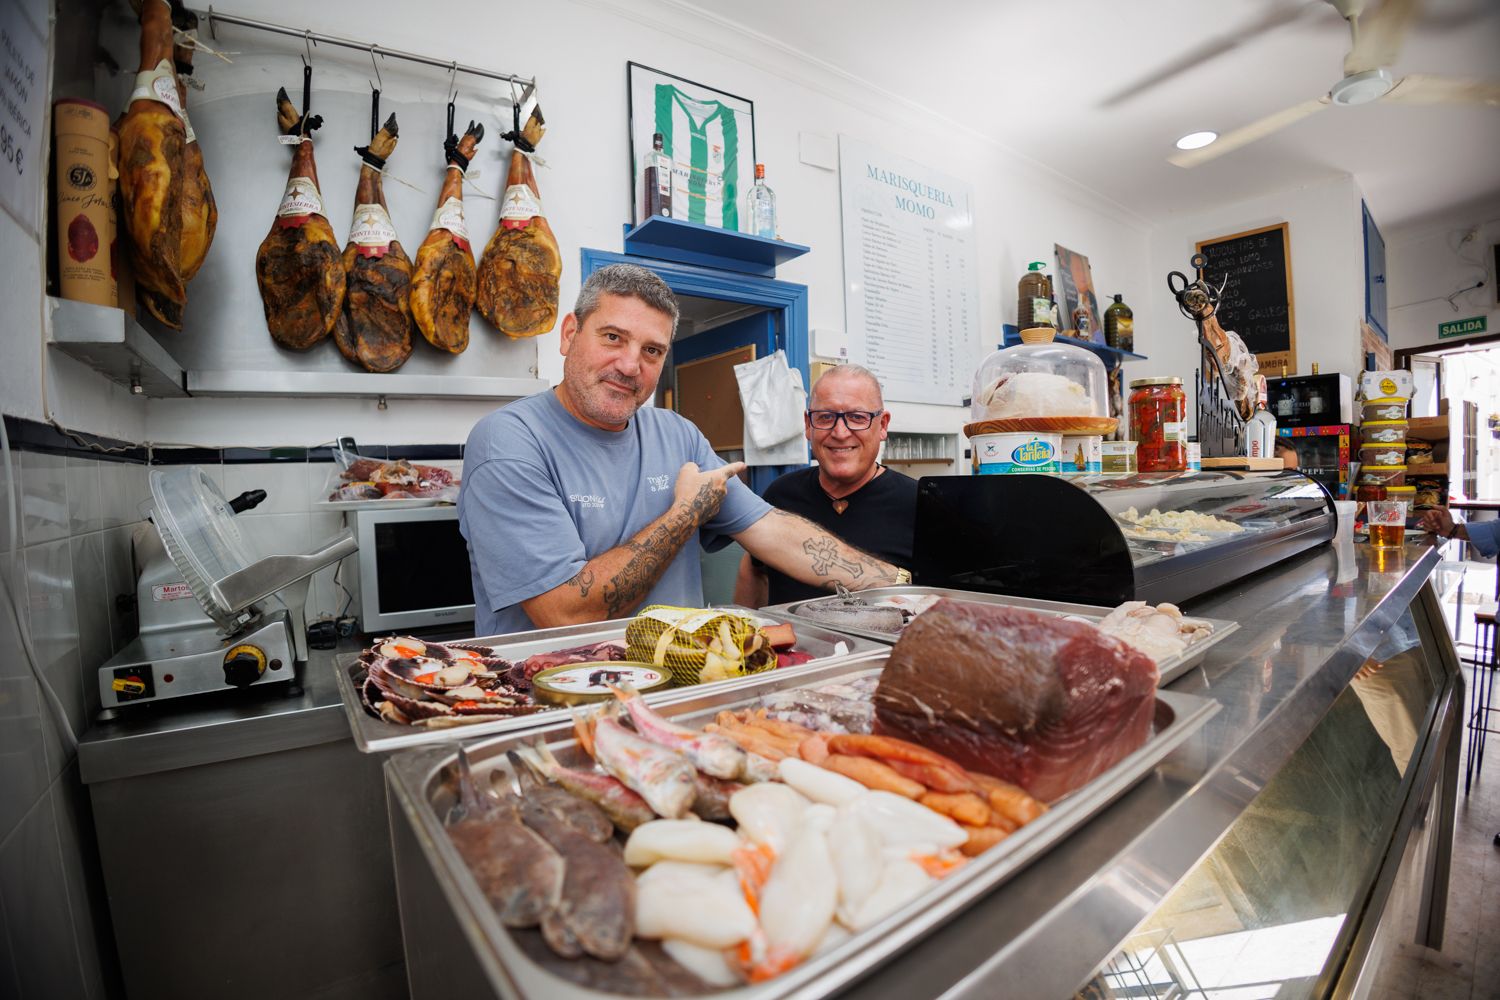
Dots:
pixel 1196 140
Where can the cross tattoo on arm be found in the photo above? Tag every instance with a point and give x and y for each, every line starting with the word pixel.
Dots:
pixel 825 555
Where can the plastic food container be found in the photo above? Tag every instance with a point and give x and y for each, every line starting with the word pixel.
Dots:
pixel 1383 409
pixel 1407 494
pixel 1019 452
pixel 1384 432
pixel 1383 454
pixel 1382 475
pixel 1054 387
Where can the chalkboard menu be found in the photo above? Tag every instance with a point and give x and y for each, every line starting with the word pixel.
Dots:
pixel 1257 301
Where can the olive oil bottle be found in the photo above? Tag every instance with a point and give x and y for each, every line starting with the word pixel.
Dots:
pixel 1034 307
pixel 1119 326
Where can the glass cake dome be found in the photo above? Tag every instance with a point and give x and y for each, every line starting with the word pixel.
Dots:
pixel 1045 384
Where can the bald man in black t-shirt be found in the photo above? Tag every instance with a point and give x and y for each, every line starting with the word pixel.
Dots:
pixel 847 492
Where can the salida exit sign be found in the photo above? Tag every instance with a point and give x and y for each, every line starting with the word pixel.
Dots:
pixel 1463 327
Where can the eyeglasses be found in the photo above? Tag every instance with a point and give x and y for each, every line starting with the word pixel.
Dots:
pixel 855 420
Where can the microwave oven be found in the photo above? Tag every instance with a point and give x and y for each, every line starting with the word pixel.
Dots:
pixel 413 569
pixel 1310 400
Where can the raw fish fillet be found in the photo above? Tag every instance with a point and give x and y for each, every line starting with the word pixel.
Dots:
pixel 1035 700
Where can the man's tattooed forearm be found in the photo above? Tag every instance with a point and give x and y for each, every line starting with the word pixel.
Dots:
pixel 825 554
pixel 584 581
pixel 651 555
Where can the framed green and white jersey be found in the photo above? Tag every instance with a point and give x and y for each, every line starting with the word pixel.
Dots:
pixel 707 135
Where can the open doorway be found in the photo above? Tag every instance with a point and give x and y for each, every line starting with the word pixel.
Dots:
pixel 1462 381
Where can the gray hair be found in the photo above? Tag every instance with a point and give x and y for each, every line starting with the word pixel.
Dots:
pixel 850 371
pixel 630 280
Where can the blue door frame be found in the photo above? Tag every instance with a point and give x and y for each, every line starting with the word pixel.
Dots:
pixel 786 298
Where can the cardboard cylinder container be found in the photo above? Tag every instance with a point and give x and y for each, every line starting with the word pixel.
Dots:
pixel 84 214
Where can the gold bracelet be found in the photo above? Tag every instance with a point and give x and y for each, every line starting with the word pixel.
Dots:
pixel 903 576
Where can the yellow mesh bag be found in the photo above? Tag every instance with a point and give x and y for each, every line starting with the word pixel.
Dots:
pixel 698 645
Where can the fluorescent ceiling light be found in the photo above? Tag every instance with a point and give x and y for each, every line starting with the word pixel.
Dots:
pixel 1196 140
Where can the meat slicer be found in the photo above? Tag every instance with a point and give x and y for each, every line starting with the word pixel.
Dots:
pixel 212 618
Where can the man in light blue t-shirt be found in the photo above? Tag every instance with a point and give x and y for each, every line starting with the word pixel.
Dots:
pixel 580 505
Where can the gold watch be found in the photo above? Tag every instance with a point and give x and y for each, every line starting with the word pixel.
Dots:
pixel 903 576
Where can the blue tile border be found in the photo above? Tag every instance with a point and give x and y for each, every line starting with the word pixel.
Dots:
pixel 34 436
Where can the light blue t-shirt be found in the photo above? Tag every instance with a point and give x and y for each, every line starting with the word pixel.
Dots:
pixel 543 493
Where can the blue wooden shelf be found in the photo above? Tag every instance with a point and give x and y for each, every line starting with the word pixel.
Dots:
pixel 695 243
pixel 1011 335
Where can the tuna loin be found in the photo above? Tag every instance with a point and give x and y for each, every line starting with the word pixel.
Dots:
pixel 1043 703
pixel 519 271
pixel 443 283
pixel 377 306
pixel 297 267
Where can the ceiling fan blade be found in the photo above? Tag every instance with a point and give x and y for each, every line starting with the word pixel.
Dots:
pixel 1378 36
pixel 1249 133
pixel 1419 88
pixel 1274 18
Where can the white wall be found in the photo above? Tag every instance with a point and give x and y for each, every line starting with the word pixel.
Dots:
pixel 1427 262
pixel 578 50
pixel 1327 277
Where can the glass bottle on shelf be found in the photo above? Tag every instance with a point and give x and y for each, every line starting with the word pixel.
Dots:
pixel 656 182
pixel 761 206
pixel 1260 429
pixel 1119 326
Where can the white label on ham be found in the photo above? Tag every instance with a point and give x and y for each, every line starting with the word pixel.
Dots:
pixel 301 198
pixel 372 227
pixel 521 204
pixel 450 216
pixel 159 84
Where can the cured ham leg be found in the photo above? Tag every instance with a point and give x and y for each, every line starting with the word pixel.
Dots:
pixel 152 136
pixel 519 271
pixel 200 215
pixel 443 285
pixel 298 267
pixel 377 306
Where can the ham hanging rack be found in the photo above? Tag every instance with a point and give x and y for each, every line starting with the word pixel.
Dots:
pixel 218 17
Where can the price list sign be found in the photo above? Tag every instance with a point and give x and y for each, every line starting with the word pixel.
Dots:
pixel 23 86
pixel 911 298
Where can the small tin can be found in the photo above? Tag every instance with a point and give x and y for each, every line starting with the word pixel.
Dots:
pixel 1081 455
pixel 1012 453
pixel 583 683
pixel 1117 456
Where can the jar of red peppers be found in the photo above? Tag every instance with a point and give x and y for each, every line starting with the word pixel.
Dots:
pixel 1158 422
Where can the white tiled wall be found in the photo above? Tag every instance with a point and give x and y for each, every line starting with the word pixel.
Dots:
pixel 69 558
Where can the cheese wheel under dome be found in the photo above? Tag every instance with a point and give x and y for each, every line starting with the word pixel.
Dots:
pixel 1043 385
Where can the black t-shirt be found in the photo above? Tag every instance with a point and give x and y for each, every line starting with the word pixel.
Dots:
pixel 879 520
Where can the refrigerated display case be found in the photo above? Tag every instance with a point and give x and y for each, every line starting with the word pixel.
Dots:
pixel 1106 539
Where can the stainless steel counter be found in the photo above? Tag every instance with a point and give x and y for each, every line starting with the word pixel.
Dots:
pixel 211 729
pixel 245 846
pixel 1307 626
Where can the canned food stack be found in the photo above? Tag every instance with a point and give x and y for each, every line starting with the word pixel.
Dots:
pixel 1040 407
pixel 1384 449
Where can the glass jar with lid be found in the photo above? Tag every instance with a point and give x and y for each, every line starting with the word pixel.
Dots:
pixel 1041 385
pixel 1158 422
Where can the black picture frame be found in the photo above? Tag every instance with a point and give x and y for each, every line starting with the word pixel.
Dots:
pixel 639 76
pixel 1375 283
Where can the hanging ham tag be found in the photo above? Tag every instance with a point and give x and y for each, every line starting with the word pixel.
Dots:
pixel 450 216
pixel 520 206
pixel 300 201
pixel 159 84
pixel 372 233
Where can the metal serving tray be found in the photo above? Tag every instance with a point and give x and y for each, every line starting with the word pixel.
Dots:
pixel 421 787
pixel 374 735
pixel 1170 669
